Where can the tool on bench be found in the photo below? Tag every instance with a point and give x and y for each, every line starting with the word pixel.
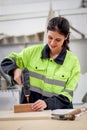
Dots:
pixel 26 83
pixel 63 117
pixel 70 115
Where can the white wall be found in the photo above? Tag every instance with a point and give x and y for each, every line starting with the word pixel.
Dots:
pixel 79 47
pixel 24 17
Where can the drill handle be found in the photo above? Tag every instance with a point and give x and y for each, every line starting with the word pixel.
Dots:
pixel 26 81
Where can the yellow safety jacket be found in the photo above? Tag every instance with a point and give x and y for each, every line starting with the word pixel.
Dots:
pixel 49 77
pixel 46 76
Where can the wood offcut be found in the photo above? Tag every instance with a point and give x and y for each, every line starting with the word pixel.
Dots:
pixel 23 108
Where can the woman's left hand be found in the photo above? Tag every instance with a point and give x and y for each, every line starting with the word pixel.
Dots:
pixel 39 105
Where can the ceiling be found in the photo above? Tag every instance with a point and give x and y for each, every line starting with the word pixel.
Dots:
pixel 24 17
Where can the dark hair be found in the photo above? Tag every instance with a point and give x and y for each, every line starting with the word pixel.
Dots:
pixel 61 25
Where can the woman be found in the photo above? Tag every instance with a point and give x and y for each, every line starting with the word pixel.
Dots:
pixel 54 69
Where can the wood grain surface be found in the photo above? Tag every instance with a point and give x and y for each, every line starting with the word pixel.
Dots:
pixel 45 124
pixel 10 115
pixel 23 108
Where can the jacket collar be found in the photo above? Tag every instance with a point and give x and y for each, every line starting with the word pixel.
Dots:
pixel 59 59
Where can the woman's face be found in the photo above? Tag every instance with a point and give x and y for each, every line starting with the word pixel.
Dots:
pixel 55 41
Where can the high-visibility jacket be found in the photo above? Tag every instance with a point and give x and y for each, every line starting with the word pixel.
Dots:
pixel 47 77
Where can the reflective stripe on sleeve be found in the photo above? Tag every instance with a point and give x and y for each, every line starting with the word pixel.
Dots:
pixel 70 92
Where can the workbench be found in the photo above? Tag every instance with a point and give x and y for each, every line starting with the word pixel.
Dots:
pixel 40 121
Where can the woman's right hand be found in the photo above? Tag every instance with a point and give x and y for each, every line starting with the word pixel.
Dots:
pixel 17 76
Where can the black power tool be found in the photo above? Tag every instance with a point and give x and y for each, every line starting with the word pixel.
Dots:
pixel 26 83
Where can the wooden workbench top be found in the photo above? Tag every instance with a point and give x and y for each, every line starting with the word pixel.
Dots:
pixel 39 121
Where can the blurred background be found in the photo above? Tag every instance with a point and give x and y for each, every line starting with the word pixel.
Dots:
pixel 23 23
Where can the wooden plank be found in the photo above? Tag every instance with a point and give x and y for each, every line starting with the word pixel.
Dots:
pixel 10 115
pixel 23 108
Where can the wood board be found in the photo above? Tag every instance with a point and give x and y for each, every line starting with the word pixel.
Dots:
pixel 10 115
pixel 23 108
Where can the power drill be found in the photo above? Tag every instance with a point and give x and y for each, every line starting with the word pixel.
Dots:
pixel 26 83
